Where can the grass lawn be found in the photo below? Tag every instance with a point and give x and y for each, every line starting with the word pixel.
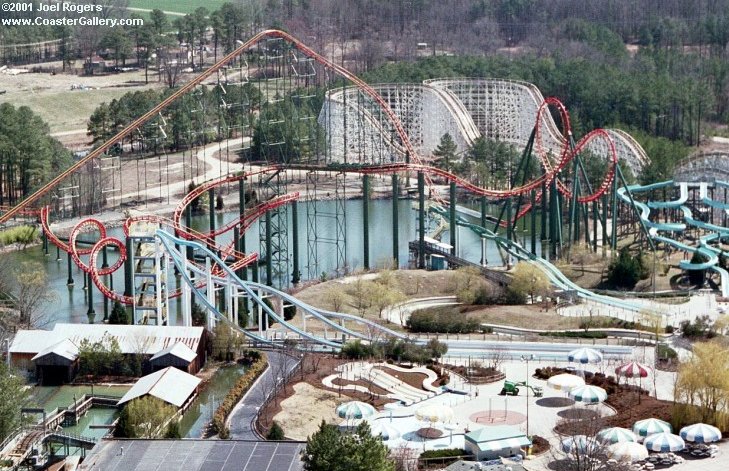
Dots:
pixel 67 110
pixel 179 6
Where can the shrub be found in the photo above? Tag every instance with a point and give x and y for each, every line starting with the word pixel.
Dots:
pixel 395 349
pixel 356 350
pixel 664 351
pixel 442 320
pixel 548 372
pixel 235 394
pixel 590 334
pixel 444 453
pixel 443 457
pixel 700 327
pixel 513 297
pixel 275 432
pixel 20 234
pixel 625 271
pixel 173 430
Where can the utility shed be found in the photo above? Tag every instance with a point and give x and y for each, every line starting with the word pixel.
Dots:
pixel 179 356
pixel 56 364
pixel 169 385
pixel 489 443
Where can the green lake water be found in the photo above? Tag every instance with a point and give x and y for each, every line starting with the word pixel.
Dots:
pixel 195 419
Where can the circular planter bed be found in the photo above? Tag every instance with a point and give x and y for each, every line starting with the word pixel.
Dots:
pixel 429 433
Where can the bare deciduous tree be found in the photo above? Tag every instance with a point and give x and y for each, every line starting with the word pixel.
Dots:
pixel 31 296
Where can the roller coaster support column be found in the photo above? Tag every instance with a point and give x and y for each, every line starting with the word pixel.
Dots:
pixel 69 281
pixel 210 292
pixel 543 229
pixel 211 210
pixel 453 222
pixel 421 220
pixel 105 264
pixel 643 227
pixel 595 216
pixel 533 215
pixel 91 312
pixel 484 211
pixel 269 255
pixel 228 293
pixel 58 253
pixel 241 239
pixel 366 221
pixel 188 223
pixel 574 220
pixel 128 268
pixel 395 224
pixel 484 261
pixel 555 222
pixel 604 223
pixel 296 274
pixel 45 243
pixel 509 230
pixel 614 228
pixel 186 298
pixel 520 177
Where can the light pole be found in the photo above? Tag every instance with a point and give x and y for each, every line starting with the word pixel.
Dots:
pixel 527 359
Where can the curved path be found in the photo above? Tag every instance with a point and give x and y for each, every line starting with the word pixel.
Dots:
pixel 241 419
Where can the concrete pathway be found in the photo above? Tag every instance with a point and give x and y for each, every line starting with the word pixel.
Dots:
pixel 241 418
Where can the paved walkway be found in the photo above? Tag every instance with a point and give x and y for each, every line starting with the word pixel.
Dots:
pixel 241 419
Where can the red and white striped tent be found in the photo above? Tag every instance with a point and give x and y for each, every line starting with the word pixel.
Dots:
pixel 633 370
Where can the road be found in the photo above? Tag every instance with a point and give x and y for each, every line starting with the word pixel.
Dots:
pixel 214 168
pixel 241 418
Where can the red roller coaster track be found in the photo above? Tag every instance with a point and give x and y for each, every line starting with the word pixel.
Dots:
pixel 552 167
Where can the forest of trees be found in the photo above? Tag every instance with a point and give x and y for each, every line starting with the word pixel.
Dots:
pixel 655 69
pixel 28 156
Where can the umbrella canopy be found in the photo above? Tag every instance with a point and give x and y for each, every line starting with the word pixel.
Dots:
pixel 434 413
pixel 584 355
pixel 650 426
pixel 588 394
pixel 664 442
pixel 628 452
pixel 700 433
pixel 385 430
pixel 565 382
pixel 579 444
pixel 355 410
pixel 616 435
pixel 632 370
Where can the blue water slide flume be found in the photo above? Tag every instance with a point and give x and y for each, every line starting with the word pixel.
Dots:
pixel 169 240
pixel 319 314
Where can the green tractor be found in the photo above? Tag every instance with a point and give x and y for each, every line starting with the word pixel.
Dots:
pixel 511 388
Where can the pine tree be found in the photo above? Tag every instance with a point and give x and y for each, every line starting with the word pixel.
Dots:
pixel 445 153
pixel 118 314
pixel 624 271
pixel 330 450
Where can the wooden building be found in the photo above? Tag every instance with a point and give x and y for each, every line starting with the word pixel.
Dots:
pixel 52 356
